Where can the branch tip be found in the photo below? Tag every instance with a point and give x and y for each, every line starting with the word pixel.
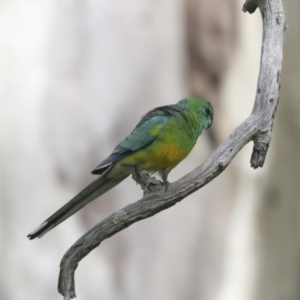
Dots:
pixel 250 6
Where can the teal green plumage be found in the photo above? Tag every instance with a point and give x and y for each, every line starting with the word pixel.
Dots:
pixel 163 138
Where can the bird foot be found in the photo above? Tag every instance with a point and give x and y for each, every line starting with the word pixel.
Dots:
pixel 148 184
pixel 151 184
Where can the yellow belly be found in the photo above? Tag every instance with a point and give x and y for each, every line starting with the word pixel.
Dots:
pixel 156 157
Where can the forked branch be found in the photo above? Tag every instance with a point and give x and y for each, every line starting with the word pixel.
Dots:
pixel 257 128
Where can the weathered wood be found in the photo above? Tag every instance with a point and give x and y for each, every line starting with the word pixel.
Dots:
pixel 257 128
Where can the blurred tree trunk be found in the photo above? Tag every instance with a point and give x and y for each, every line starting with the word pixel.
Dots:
pixel 211 40
pixel 278 224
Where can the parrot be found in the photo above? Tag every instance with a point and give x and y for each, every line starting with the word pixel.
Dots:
pixel 159 142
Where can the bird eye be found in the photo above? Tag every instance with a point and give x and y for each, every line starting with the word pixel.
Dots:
pixel 207 110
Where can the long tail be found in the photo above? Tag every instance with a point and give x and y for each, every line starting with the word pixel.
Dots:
pixel 98 187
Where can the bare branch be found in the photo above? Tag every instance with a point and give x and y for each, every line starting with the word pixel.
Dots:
pixel 257 127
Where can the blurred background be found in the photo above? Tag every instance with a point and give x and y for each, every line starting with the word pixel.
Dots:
pixel 75 78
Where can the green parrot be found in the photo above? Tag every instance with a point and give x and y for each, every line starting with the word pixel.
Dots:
pixel 159 142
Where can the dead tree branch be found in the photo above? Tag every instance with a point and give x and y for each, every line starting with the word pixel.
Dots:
pixel 257 127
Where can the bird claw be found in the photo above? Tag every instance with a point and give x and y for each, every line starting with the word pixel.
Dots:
pixel 148 184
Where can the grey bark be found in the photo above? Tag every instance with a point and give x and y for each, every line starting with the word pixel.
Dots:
pixel 257 127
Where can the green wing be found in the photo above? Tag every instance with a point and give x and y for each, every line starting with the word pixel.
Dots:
pixel 144 134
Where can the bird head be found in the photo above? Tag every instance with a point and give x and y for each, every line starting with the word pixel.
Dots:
pixel 202 108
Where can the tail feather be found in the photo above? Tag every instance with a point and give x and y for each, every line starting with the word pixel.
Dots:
pixel 98 187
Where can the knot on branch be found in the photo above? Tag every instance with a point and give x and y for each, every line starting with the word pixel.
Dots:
pixel 260 149
pixel 120 216
pixel 222 165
